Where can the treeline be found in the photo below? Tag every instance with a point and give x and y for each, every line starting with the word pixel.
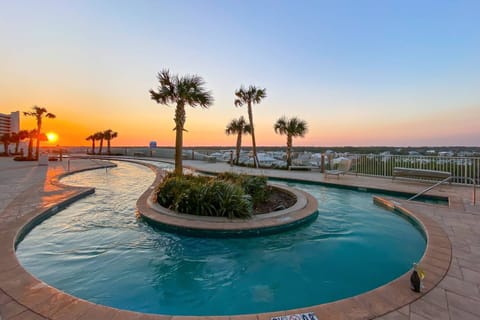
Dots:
pixel 350 149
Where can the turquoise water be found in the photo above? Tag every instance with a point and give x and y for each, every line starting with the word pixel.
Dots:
pixel 97 250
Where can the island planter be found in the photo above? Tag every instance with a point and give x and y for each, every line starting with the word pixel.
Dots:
pixel 304 211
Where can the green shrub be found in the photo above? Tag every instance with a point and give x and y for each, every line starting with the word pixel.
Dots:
pixel 254 186
pixel 204 196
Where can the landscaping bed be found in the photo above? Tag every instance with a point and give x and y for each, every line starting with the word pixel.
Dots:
pixel 226 195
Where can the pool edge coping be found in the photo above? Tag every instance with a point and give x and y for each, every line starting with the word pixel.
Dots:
pixel 24 288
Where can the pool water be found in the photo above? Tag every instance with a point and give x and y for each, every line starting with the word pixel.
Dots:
pixel 97 249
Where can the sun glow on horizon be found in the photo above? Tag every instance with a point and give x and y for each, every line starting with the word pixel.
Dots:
pixel 52 137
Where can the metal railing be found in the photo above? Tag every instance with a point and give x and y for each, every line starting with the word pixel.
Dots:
pixel 466 170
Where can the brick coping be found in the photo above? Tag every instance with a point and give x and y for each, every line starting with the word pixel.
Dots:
pixel 45 302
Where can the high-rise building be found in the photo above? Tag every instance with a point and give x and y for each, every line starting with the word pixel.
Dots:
pixel 9 122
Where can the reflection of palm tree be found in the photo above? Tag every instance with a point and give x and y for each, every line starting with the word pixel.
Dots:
pixel 109 135
pixel 38 113
pixel 92 137
pixel 293 127
pixel 181 91
pixel 32 134
pixel 99 136
pixel 6 138
pixel 250 96
pixel 238 127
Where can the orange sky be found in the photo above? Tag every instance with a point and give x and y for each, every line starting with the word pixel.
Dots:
pixel 203 130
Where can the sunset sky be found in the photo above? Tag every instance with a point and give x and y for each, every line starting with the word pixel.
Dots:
pixel 361 73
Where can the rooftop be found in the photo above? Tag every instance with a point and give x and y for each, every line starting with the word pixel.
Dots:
pixel 28 190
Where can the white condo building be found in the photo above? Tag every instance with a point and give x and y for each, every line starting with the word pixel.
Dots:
pixel 9 122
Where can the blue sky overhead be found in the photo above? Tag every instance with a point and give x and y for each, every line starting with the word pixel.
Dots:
pixel 359 72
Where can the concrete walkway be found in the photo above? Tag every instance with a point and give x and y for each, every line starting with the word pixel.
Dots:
pixel 26 189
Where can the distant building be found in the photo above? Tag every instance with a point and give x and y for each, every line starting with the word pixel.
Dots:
pixel 446 153
pixel 9 122
pixel 466 154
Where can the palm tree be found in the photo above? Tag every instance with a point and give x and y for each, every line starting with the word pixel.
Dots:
pixel 181 91
pixel 32 134
pixel 293 127
pixel 250 96
pixel 238 127
pixel 17 137
pixel 39 113
pixel 99 136
pixel 109 135
pixel 6 138
pixel 92 137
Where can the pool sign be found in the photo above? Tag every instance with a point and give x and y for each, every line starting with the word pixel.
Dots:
pixel 298 316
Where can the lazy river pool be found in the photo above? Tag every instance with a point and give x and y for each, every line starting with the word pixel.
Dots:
pixel 96 249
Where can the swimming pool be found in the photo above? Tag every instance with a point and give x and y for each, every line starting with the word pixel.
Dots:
pixel 97 250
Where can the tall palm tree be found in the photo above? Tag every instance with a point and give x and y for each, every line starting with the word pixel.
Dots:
pixel 186 90
pixel 17 137
pixel 100 136
pixel 250 96
pixel 92 138
pixel 38 113
pixel 6 138
pixel 293 127
pixel 109 135
pixel 238 127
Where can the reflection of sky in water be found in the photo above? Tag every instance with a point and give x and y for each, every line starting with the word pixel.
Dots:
pixel 97 250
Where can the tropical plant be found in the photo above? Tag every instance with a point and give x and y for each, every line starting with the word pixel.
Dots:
pixel 238 127
pixel 6 138
pixel 92 138
pixel 181 91
pixel 38 113
pixel 250 96
pixel 99 136
pixel 17 137
pixel 293 127
pixel 255 186
pixel 204 196
pixel 109 135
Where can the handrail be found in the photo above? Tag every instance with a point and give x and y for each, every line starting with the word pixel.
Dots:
pixel 474 200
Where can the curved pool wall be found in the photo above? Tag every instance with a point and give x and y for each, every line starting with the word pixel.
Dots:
pixel 262 292
pixel 303 212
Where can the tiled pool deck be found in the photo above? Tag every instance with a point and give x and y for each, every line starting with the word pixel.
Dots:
pixel 26 190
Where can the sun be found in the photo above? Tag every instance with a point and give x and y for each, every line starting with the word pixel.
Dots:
pixel 52 137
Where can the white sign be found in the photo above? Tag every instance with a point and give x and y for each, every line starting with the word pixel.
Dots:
pixel 298 316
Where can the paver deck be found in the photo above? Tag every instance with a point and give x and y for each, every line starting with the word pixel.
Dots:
pixel 26 189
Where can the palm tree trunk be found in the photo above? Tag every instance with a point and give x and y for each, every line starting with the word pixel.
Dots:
pixel 93 146
pixel 239 144
pixel 179 124
pixel 254 145
pixel 100 147
pixel 17 143
pixel 108 146
pixel 289 151
pixel 5 148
